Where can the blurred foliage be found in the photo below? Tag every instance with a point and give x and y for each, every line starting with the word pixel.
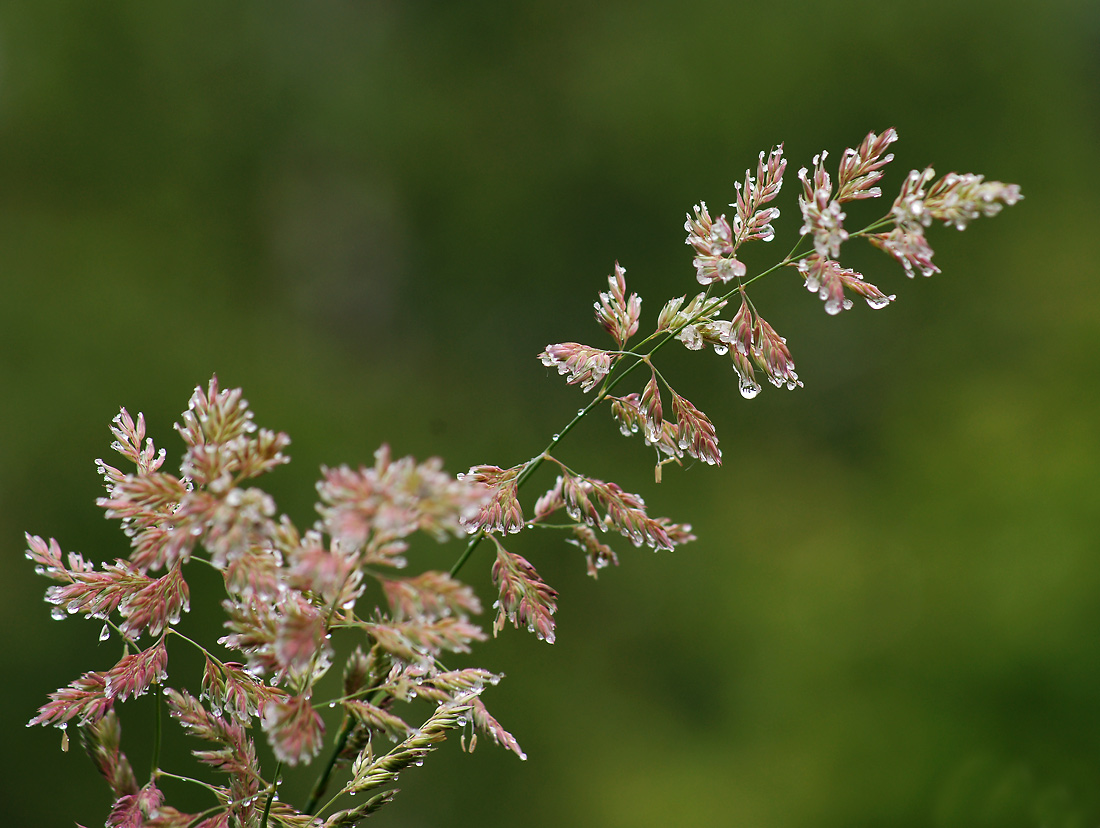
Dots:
pixel 372 215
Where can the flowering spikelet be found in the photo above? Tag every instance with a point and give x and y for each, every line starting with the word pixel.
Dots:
pixel 368 773
pixel 751 221
pixel 958 199
pixel 618 314
pixel 146 604
pixel 631 417
pixel 741 329
pixel 584 365
pixel 233 752
pixel 525 599
pixel 694 324
pixel 606 506
pixel 771 354
pixel 822 217
pixel 484 722
pixel 86 699
pixel 651 410
pixel 422 640
pixel 429 595
pixel 696 433
pixel 597 554
pixel 132 810
pixel 714 244
pixel 828 279
pixel 102 741
pixel 909 247
pixel 128 442
pixel 502 512
pixel 294 729
pixel 230 687
pixel 860 168
pixel 394 499
pixel 283 638
pixel 350 817
pixel 217 429
pixel 90 697
pixel 134 674
pixel 377 720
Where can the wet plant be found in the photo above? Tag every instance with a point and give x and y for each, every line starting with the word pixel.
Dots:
pixel 288 591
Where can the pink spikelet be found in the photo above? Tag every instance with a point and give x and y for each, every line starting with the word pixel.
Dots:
pixel 525 599
pixel 578 363
pixel 696 433
pixel 861 168
pixel 86 700
pixel 752 220
pixel 617 313
pixel 502 512
pixel 134 674
pixel 294 729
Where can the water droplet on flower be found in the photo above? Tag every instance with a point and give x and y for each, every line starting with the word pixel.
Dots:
pixel 105 633
pixel 749 389
pixel 57 614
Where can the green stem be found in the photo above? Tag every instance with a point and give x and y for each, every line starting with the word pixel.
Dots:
pixel 157 731
pixel 271 796
pixel 199 782
pixel 321 784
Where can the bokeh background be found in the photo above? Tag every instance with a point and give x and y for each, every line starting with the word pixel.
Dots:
pixel 372 216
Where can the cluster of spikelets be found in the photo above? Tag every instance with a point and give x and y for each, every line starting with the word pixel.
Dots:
pixel 288 591
pixel 753 346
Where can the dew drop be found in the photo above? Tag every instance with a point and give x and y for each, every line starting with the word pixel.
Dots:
pixel 555 438
pixel 749 389
pixel 105 633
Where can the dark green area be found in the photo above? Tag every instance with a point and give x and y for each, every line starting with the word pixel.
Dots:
pixel 373 215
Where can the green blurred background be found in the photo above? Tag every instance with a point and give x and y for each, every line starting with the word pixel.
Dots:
pixel 373 215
